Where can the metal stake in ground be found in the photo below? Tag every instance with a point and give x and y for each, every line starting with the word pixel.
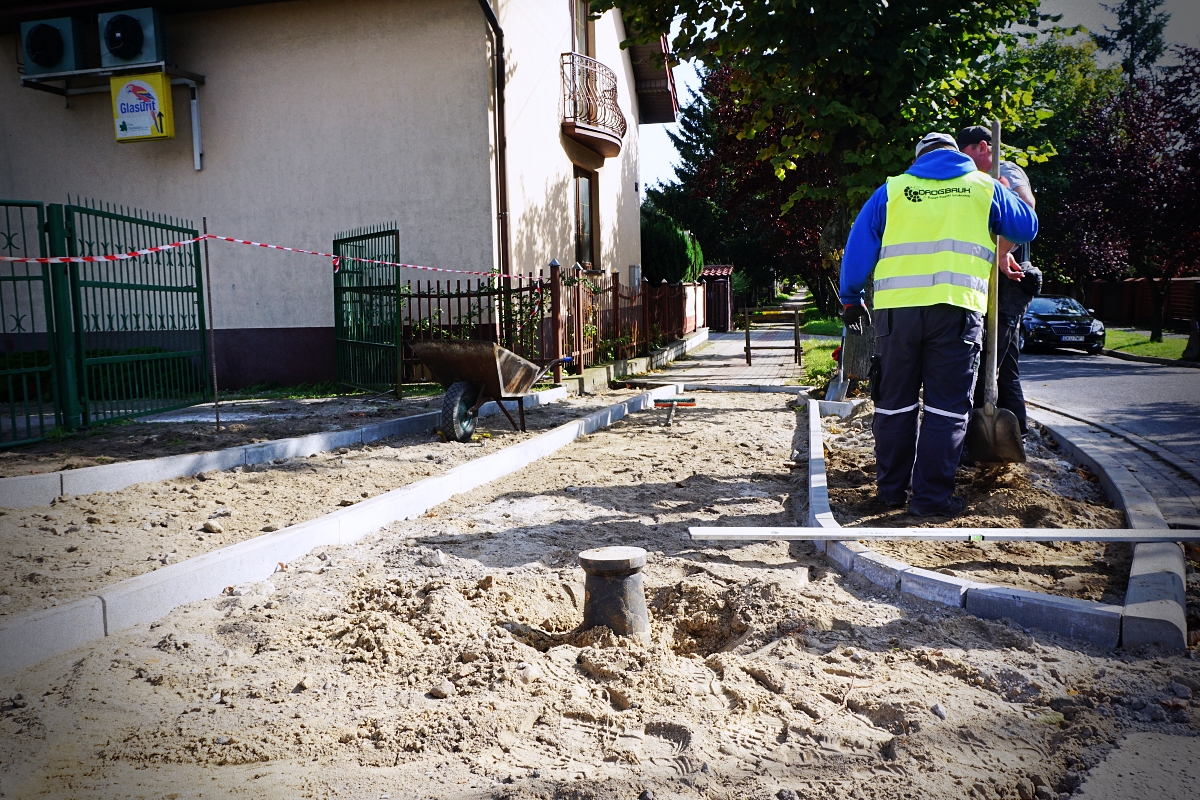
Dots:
pixel 212 349
pixel 614 595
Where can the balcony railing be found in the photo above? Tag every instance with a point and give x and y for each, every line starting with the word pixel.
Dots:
pixel 591 115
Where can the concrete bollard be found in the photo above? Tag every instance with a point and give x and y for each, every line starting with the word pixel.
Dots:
pixel 613 592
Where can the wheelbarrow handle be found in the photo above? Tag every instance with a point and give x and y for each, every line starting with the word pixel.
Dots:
pixel 550 366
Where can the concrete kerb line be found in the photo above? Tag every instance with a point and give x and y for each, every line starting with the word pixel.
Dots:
pixel 1155 609
pixel 1099 623
pixel 27 491
pixel 32 638
pixel 1176 461
pixel 1166 362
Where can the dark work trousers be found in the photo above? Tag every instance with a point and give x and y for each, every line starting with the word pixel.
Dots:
pixel 935 347
pixel 1008 372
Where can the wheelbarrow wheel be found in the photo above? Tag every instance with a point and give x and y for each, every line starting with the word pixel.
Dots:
pixel 458 423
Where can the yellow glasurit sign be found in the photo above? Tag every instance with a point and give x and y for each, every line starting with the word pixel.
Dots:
pixel 142 107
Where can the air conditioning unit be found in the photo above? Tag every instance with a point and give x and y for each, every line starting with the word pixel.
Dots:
pixel 53 45
pixel 132 37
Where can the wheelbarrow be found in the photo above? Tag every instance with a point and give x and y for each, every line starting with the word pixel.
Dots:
pixel 474 373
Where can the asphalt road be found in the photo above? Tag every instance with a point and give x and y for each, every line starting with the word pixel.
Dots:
pixel 1159 403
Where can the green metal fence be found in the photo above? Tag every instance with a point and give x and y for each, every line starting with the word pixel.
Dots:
pixel 28 385
pixel 139 324
pixel 367 299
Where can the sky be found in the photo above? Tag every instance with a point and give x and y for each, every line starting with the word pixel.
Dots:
pixel 658 154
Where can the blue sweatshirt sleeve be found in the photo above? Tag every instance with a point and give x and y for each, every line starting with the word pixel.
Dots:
pixel 1010 217
pixel 862 248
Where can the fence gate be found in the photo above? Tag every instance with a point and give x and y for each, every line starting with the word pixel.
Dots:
pixel 366 308
pixel 29 383
pixel 139 326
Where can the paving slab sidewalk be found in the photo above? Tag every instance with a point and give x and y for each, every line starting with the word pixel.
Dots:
pixel 723 360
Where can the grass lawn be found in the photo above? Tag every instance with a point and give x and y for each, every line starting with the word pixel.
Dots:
pixel 823 326
pixel 819 365
pixel 1140 345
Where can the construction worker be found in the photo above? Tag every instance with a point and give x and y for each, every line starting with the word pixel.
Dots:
pixel 1024 284
pixel 927 236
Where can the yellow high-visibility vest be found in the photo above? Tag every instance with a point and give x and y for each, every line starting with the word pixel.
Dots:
pixel 936 244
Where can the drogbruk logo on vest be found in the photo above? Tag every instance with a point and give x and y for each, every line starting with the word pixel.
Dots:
pixel 915 195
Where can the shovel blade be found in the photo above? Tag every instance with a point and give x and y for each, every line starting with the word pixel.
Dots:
pixel 995 438
pixel 837 390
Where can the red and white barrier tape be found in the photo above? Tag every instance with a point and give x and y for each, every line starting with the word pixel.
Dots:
pixel 147 251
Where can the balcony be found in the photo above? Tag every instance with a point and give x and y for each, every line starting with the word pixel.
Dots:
pixel 591 115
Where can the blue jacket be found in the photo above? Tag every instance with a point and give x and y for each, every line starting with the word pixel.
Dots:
pixel 1009 218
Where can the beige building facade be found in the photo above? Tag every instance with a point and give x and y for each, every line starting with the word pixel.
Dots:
pixel 320 116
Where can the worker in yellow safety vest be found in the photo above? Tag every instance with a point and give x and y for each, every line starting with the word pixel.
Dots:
pixel 928 237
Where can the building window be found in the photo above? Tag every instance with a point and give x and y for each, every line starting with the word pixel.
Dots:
pixel 581 39
pixel 585 191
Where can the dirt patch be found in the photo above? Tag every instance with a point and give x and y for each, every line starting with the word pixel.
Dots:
pixel 171 434
pixel 1045 492
pixel 58 553
pixel 364 672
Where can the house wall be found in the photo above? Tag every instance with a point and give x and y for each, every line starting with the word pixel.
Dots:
pixel 541 158
pixel 317 117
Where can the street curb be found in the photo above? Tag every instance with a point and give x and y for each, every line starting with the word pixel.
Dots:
pixel 28 491
pixel 1098 623
pixel 1156 598
pixel 1176 461
pixel 31 638
pixel 1166 362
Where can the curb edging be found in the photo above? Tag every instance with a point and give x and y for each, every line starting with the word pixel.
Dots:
pixel 1098 623
pixel 28 491
pixel 1166 362
pixel 34 637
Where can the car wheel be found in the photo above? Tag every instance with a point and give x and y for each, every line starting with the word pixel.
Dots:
pixel 1095 350
pixel 1021 341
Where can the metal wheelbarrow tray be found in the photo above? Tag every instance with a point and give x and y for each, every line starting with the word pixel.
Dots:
pixel 474 373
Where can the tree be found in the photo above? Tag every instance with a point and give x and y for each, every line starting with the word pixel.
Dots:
pixel 735 201
pixel 1070 82
pixel 1138 36
pixel 837 92
pixel 668 252
pixel 1133 170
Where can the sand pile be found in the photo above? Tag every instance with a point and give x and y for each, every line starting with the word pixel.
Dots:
pixel 441 659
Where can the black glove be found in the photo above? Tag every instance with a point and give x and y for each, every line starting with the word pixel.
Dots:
pixel 856 318
pixel 1031 283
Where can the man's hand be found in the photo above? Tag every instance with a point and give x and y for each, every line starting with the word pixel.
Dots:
pixel 1010 268
pixel 856 318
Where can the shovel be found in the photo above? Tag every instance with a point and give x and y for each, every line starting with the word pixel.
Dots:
pixel 837 389
pixel 993 434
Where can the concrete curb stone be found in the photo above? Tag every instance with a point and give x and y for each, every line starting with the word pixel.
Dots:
pixel 38 636
pixel 1166 362
pixel 25 491
pixel 879 569
pixel 1156 598
pixel 1098 623
pixel 938 588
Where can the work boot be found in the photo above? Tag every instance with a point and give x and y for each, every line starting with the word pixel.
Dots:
pixel 894 502
pixel 953 508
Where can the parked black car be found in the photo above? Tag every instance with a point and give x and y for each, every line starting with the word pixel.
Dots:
pixel 1057 321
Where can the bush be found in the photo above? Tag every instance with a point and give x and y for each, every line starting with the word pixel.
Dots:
pixel 668 252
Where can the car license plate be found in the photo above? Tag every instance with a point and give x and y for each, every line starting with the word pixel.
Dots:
pixel 1072 338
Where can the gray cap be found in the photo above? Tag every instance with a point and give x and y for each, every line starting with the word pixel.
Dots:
pixel 935 140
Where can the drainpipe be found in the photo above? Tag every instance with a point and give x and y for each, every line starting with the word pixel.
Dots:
pixel 501 136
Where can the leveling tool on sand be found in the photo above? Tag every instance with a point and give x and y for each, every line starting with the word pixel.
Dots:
pixel 993 433
pixel 1132 535
pixel 686 402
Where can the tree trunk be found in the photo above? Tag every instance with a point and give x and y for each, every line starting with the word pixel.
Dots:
pixel 1158 298
pixel 1192 351
pixel 860 347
